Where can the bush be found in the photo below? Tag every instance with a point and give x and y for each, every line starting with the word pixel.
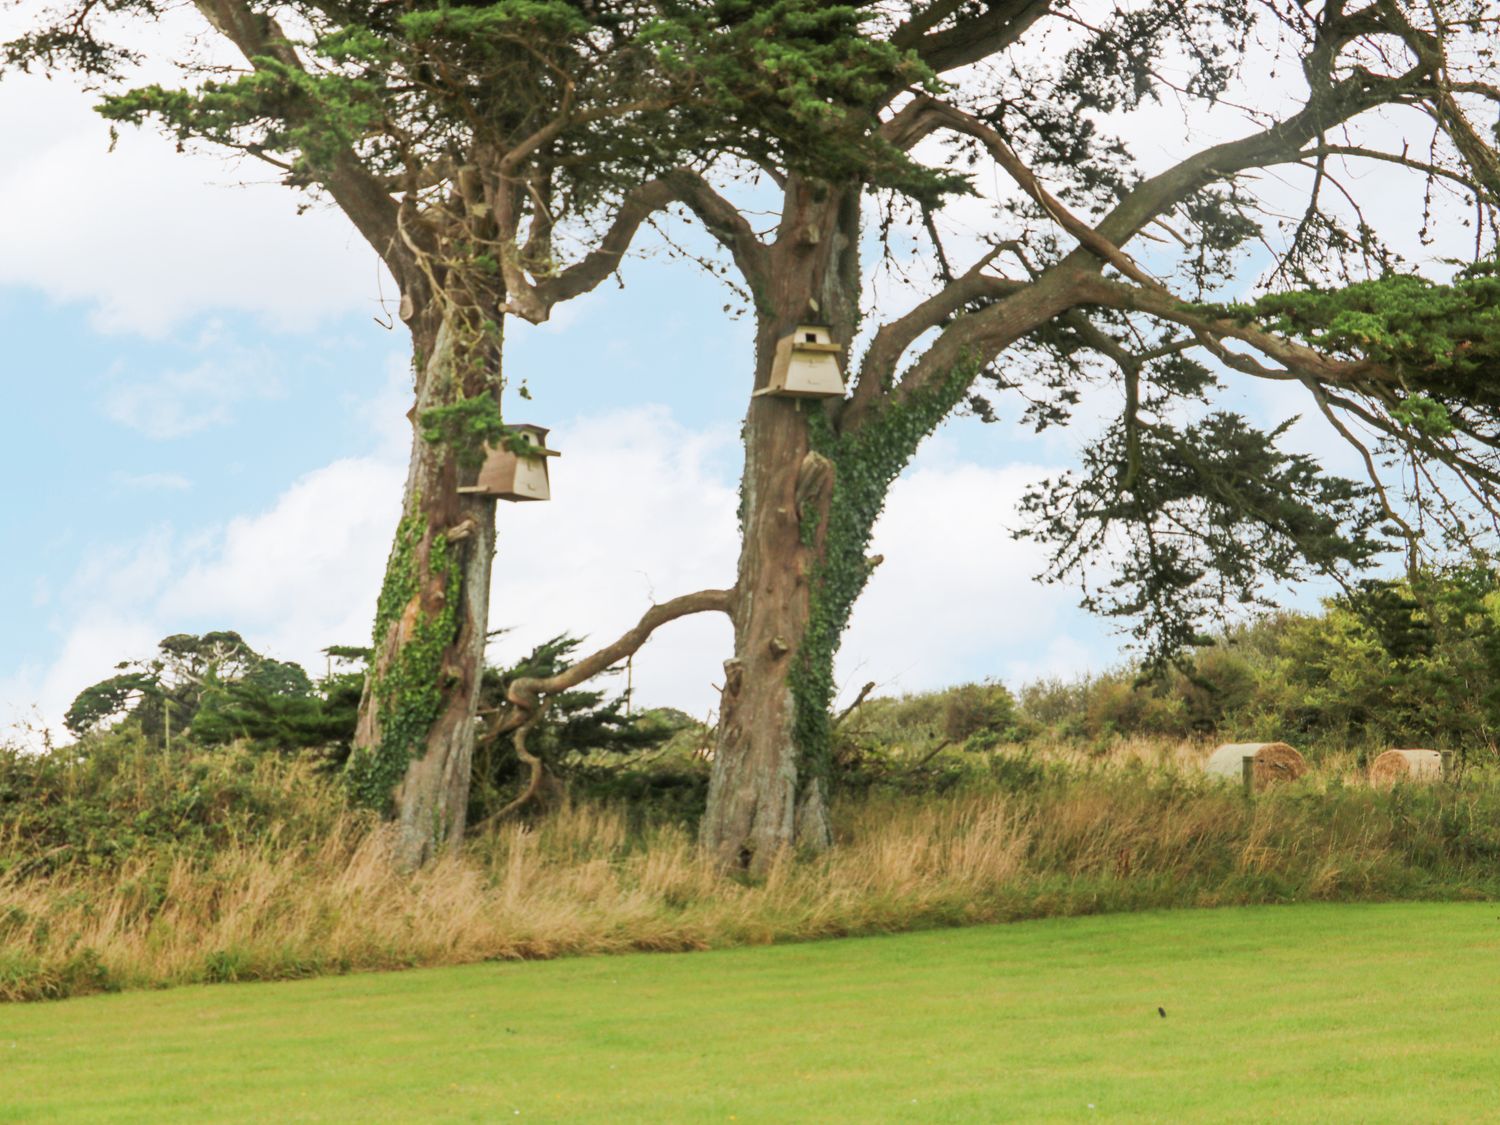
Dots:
pixel 1395 664
pixel 112 796
pixel 986 709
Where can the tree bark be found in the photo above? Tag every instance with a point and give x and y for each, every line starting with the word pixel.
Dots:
pixel 529 696
pixel 414 742
pixel 767 790
pixel 754 798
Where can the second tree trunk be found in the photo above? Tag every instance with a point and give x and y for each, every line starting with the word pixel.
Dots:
pixel 414 743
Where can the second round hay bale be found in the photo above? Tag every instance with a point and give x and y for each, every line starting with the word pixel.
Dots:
pixel 1274 761
pixel 1406 765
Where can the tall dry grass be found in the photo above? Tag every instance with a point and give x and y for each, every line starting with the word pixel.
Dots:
pixel 582 880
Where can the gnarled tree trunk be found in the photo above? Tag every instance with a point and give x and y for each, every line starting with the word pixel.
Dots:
pixel 757 803
pixel 768 788
pixel 816 479
pixel 415 738
pixel 808 517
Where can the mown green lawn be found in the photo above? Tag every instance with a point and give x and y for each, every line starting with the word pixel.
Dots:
pixel 1317 1013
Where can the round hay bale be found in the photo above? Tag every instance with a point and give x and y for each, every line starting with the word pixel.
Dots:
pixel 1406 765
pixel 1274 761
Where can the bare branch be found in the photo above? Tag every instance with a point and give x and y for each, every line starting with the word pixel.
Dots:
pixel 1371 471
pixel 637 206
pixel 1483 191
pixel 529 696
pixel 1003 155
pixel 724 221
pixel 888 345
pixel 853 707
pixel 970 40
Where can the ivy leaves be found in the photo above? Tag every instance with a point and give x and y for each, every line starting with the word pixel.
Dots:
pixel 468 427
pixel 408 689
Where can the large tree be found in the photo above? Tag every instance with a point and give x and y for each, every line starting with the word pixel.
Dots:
pixel 1189 502
pixel 458 138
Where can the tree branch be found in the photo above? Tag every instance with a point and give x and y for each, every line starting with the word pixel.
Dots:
pixel 1298 359
pixel 526 694
pixel 969 40
pixel 637 206
pixel 724 221
pixel 681 185
pixel 979 38
pixel 1281 142
pixel 878 368
pixel 359 194
pixel 1003 155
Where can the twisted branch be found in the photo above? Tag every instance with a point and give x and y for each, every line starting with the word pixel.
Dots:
pixel 529 696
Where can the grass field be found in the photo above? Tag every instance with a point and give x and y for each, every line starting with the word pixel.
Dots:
pixel 1298 1013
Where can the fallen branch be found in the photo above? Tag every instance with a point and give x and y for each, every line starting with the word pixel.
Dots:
pixel 858 699
pixel 934 752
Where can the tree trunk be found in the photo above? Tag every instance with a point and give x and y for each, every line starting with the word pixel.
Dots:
pixel 755 805
pixel 768 788
pixel 808 517
pixel 414 742
pixel 816 480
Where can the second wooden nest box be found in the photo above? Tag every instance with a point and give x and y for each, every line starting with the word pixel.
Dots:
pixel 806 365
pixel 508 475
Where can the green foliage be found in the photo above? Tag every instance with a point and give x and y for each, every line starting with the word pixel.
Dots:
pixel 219 690
pixel 114 796
pixel 807 74
pixel 409 690
pixel 468 426
pixel 268 718
pixel 615 91
pixel 660 789
pixel 1441 340
pixel 980 715
pixel 312 117
pixel 1117 68
pixel 96 705
pixel 972 717
pixel 1209 514
pixel 1393 663
pixel 579 725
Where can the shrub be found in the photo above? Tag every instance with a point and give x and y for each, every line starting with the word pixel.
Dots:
pixel 113 796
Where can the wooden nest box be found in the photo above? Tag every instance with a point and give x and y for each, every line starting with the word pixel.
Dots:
pixel 508 475
pixel 806 365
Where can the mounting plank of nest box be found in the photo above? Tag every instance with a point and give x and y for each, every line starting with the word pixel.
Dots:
pixel 806 365
pixel 506 475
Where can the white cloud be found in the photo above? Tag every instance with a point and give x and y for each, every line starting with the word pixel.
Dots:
pixel 177 403
pixel 149 237
pixel 125 574
pixel 956 596
pixel 643 510
pixel 302 575
pixel 37 698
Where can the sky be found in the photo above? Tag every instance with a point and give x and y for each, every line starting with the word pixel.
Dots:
pixel 205 400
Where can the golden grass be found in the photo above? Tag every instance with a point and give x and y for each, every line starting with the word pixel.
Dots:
pixel 580 881
pixel 574 884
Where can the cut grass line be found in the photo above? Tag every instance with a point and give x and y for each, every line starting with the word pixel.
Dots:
pixel 1308 1013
